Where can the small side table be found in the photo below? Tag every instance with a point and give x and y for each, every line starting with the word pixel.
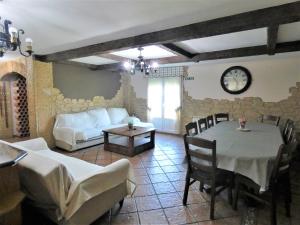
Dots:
pixel 10 194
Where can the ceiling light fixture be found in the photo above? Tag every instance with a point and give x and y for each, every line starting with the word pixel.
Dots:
pixel 10 39
pixel 141 64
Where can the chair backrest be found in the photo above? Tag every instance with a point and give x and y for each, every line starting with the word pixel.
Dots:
pixel 270 119
pixel 281 165
pixel 191 129
pixel 202 124
pixel 210 121
pixel 220 117
pixel 292 146
pixel 201 155
pixel 290 133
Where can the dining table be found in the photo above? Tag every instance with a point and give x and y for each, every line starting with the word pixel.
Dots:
pixel 250 152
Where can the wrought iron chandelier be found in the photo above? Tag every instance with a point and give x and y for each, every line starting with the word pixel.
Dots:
pixel 141 64
pixel 10 39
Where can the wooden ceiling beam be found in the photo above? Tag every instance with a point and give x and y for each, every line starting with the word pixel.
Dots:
pixel 282 14
pixel 223 54
pixel 272 38
pixel 177 50
pixel 247 51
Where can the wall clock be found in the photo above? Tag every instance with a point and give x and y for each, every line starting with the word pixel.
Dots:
pixel 236 80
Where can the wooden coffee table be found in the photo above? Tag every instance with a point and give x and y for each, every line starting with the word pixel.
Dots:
pixel 129 142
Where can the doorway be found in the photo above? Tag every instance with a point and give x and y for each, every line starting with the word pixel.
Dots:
pixel 164 101
pixel 13 106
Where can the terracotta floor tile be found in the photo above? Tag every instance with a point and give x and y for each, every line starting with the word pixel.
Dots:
pixel 162 188
pixel 167 162
pixel 224 209
pixel 142 180
pixel 179 215
pixel 157 178
pixel 200 211
pixel 176 176
pixel 140 172
pixel 170 169
pixel 154 170
pixel 144 190
pixel 128 206
pixel 147 203
pixel 153 217
pixel 170 200
pixel 125 219
pixel 148 164
pixel 194 196
pixel 160 157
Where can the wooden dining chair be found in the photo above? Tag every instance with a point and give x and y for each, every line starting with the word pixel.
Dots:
pixel 290 133
pixel 279 184
pixel 191 129
pixel 202 167
pixel 202 124
pixel 270 119
pixel 220 117
pixel 210 121
pixel 286 127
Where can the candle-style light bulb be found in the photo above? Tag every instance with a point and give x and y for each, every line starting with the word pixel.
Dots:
pixel 13 34
pixel 28 42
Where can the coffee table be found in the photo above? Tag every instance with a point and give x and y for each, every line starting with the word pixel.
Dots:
pixel 129 142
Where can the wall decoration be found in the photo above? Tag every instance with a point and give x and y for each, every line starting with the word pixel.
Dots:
pixel 236 80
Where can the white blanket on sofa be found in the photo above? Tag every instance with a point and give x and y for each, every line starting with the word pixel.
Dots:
pixel 64 183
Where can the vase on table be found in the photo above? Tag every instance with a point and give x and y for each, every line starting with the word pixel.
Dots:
pixel 242 122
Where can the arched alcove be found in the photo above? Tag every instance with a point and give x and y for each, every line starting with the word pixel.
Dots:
pixel 13 106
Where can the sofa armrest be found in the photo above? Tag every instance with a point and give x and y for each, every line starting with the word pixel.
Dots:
pixel 106 178
pixel 66 134
pixel 35 144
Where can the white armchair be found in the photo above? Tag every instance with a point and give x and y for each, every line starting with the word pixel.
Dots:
pixel 68 190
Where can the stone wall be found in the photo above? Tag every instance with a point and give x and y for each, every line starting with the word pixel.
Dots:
pixel 250 107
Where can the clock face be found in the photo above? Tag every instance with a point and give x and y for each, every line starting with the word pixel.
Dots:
pixel 236 80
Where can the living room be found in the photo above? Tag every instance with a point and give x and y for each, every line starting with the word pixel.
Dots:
pixel 108 111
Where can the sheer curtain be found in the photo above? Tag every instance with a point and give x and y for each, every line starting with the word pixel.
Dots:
pixel 164 100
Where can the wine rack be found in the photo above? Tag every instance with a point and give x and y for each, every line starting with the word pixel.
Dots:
pixel 20 107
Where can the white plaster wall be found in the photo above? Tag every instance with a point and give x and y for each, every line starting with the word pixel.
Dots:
pixel 271 79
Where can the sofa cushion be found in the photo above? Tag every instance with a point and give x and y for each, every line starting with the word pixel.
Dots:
pixel 100 117
pixel 86 134
pixel 74 120
pixel 117 115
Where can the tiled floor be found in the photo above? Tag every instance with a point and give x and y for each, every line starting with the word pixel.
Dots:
pixel 160 175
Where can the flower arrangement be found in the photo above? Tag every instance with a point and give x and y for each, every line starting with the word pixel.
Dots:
pixel 242 122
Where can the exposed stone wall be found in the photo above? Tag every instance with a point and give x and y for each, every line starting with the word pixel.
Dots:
pixel 250 107
pixel 43 81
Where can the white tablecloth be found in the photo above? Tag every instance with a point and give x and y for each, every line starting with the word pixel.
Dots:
pixel 248 153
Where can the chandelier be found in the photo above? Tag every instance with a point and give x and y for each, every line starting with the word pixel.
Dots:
pixel 10 39
pixel 141 64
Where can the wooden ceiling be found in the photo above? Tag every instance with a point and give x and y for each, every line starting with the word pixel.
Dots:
pixel 271 18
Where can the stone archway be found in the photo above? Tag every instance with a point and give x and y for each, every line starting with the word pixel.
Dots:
pixel 23 67
pixel 13 106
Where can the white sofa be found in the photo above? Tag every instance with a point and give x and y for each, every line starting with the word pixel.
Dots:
pixel 79 130
pixel 67 190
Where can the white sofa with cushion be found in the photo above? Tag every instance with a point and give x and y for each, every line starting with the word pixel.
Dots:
pixel 79 130
pixel 67 190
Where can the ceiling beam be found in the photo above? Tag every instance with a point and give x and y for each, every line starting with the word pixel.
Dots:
pixel 177 50
pixel 272 38
pixel 223 54
pixel 247 51
pixel 74 63
pixel 282 14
